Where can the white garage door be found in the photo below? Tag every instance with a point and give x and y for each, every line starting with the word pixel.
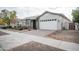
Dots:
pixel 49 25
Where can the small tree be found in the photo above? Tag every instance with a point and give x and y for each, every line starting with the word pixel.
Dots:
pixel 75 14
pixel 1 22
pixel 8 16
pixel 12 16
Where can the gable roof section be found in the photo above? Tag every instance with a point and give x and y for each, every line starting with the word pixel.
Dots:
pixel 35 17
pixel 55 14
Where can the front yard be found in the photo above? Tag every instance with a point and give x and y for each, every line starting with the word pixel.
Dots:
pixel 33 32
pixel 16 41
pixel 35 46
pixel 66 35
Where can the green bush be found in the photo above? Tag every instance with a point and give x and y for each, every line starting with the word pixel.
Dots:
pixel 64 28
pixel 19 27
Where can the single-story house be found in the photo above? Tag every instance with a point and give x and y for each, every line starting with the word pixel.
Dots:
pixel 21 22
pixel 17 22
pixel 48 21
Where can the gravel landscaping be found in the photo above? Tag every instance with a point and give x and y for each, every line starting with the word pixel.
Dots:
pixel 33 32
pixel 16 30
pixel 24 42
pixel 66 35
pixel 35 46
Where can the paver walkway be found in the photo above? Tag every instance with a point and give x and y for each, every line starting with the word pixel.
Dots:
pixel 16 39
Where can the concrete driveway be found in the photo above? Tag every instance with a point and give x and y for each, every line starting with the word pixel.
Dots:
pixel 17 39
pixel 39 32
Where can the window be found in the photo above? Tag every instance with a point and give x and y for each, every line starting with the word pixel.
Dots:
pixel 55 19
pixel 44 20
pixel 50 20
pixel 41 20
pixel 47 20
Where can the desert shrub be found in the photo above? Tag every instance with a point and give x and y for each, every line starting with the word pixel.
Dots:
pixel 19 27
pixel 4 27
pixel 64 28
pixel 10 27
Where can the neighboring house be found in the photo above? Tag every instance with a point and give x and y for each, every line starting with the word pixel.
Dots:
pixel 13 22
pixel 21 22
pixel 48 21
pixel 18 22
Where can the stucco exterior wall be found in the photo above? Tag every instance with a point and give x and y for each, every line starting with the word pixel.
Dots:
pixel 59 24
pixel 64 23
pixel 49 16
pixel 50 25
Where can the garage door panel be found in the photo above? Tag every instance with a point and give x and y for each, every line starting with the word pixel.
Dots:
pixel 49 25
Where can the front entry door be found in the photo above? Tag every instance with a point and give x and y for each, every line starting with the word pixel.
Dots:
pixel 34 24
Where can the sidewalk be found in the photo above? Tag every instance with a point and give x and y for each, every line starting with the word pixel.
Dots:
pixel 17 39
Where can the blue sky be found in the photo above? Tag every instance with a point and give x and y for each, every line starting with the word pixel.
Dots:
pixel 23 12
